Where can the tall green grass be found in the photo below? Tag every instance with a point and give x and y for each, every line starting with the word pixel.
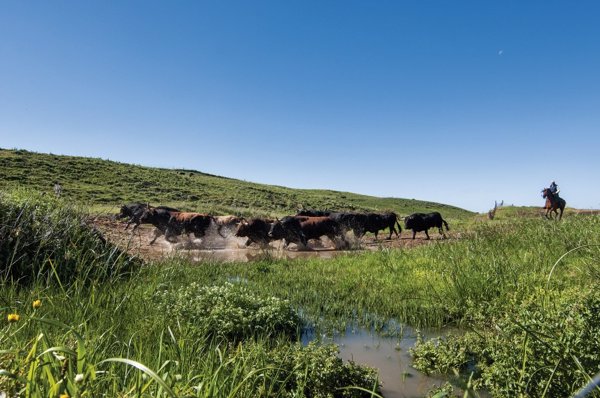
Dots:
pixel 42 237
pixel 432 285
pixel 96 331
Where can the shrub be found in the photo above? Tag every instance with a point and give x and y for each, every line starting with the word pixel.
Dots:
pixel 546 346
pixel 228 311
pixel 316 371
pixel 44 237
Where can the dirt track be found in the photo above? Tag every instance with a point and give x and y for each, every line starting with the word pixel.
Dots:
pixel 231 248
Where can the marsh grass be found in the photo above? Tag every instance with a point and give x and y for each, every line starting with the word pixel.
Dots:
pixel 46 238
pixel 99 332
pixel 84 327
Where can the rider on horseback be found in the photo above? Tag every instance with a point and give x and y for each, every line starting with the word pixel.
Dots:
pixel 554 189
pixel 553 202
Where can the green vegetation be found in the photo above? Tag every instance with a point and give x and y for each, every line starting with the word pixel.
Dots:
pixel 522 291
pixel 40 238
pixel 106 185
pixel 143 334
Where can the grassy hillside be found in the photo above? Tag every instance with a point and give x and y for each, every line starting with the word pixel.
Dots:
pixel 106 185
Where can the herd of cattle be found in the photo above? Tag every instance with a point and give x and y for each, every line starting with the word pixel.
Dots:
pixel 298 229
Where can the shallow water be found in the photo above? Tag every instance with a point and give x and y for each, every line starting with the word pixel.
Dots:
pixel 389 355
pixel 232 249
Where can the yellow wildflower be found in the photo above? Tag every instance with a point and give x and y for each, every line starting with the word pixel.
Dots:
pixel 13 317
pixel 36 304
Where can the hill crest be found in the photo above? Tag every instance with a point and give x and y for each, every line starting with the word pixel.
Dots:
pixel 106 184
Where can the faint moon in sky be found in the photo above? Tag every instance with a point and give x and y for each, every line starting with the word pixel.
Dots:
pixel 500 52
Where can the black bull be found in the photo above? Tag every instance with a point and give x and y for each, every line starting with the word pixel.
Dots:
pixel 361 223
pixel 423 221
pixel 256 230
pixel 135 211
pixel 301 229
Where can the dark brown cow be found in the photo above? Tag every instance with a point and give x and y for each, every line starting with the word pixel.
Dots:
pixel 311 228
pixel 174 223
pixel 256 230
pixel 289 229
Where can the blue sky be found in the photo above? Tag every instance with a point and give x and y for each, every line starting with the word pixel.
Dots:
pixel 456 102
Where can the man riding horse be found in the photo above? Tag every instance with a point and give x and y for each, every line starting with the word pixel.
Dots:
pixel 553 201
pixel 554 189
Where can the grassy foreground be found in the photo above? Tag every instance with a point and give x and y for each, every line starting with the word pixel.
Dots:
pixel 81 318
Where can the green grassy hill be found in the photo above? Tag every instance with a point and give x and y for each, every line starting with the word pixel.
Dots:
pixel 105 185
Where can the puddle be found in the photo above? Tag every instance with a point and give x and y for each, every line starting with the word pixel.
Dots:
pixel 389 355
pixel 233 249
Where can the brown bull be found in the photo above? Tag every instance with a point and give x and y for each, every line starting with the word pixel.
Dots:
pixel 174 223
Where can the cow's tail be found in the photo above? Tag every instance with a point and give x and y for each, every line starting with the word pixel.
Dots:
pixel 446 224
pixel 399 227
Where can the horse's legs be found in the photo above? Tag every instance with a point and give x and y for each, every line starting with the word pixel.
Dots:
pixel 561 212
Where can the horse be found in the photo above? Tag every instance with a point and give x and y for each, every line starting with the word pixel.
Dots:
pixel 553 205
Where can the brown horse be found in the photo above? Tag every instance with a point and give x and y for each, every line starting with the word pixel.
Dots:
pixel 553 204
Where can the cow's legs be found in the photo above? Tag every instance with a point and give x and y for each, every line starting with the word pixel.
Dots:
pixel 169 234
pixel 157 233
pixel 345 243
pixel 427 234
pixel 414 234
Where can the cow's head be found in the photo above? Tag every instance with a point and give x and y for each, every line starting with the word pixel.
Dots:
pixel 147 214
pixel 277 230
pixel 243 228
pixel 123 212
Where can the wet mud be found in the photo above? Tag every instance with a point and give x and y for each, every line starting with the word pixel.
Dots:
pixel 229 248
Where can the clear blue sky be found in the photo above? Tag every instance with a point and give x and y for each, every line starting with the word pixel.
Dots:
pixel 461 102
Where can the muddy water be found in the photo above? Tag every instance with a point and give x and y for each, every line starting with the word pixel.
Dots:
pixel 389 355
pixel 232 249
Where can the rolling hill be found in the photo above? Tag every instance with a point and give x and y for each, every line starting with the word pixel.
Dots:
pixel 104 185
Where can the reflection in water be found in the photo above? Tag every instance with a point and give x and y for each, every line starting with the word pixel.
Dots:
pixel 389 355
pixel 232 249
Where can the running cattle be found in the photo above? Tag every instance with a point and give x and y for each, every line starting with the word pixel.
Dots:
pixel 310 227
pixel 135 211
pixel 174 223
pixel 361 223
pixel 423 221
pixel 227 222
pixel 380 221
pixel 256 230
pixel 313 213
pixel 289 229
